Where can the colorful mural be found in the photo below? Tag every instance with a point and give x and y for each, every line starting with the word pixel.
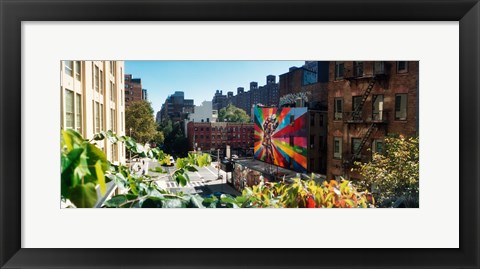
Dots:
pixel 281 137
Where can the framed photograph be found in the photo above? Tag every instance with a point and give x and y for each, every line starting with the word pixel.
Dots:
pixel 42 40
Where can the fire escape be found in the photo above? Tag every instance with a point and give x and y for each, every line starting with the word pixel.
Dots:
pixel 356 116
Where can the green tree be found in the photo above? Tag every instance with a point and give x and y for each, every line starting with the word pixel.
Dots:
pixel 139 117
pixel 175 142
pixel 395 173
pixel 232 113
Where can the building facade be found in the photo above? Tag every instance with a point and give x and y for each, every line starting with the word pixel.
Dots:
pixel 308 85
pixel 176 107
pixel 92 101
pixel 367 101
pixel 219 100
pixel 133 89
pixel 212 136
pixel 202 113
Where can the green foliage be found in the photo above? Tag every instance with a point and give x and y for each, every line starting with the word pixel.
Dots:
pixel 395 173
pixel 232 113
pixel 83 166
pixel 302 194
pixel 139 117
pixel 175 141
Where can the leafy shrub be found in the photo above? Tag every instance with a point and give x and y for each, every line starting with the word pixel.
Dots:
pixel 83 166
pixel 302 194
pixel 394 175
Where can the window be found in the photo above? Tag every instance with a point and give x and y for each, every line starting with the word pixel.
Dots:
pixel 337 147
pixel 114 151
pixel 358 69
pixel 338 108
pixel 356 101
pixel 312 163
pixel 339 70
pixel 121 99
pixel 78 113
pixel 78 70
pixel 96 81
pixel 69 124
pixel 196 129
pixel 321 119
pixel 113 92
pixel 402 67
pixel 101 117
pixel 312 141
pixel 208 129
pixel 377 109
pixel 68 68
pixel 401 106
pixel 379 68
pixel 377 146
pixel 113 122
pixel 201 129
pixel 356 146
pixel 101 81
pixel 97 117
pixel 121 74
pixel 320 142
pixel 312 119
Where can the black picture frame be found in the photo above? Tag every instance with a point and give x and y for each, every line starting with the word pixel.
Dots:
pixel 13 12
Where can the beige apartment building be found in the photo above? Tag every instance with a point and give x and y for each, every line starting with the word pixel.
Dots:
pixel 92 101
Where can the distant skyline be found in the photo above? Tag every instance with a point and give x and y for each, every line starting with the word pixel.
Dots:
pixel 199 80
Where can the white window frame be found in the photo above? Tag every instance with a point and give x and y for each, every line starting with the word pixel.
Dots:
pixel 337 154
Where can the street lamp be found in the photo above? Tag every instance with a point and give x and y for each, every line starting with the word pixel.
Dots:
pixel 218 163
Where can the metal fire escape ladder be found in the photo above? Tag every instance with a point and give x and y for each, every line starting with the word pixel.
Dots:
pixel 359 108
pixel 363 142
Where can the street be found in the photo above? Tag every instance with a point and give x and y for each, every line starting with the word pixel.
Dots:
pixel 205 181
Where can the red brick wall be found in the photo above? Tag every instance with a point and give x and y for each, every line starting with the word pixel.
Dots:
pixel 237 135
pixel 392 84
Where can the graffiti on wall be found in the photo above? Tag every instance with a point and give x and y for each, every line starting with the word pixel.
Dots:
pixel 281 137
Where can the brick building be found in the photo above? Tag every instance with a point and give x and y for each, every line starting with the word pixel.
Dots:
pixel 243 99
pixel 209 136
pixel 219 100
pixel 133 89
pixel 306 86
pixel 311 80
pixel 367 101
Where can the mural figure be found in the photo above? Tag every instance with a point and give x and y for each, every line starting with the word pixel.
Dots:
pixel 281 137
pixel 269 126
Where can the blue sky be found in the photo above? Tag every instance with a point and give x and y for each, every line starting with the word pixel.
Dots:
pixel 200 79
